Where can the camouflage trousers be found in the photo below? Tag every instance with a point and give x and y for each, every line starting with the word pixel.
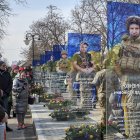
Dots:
pixel 102 104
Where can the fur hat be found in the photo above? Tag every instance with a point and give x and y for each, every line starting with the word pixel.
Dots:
pixel 132 20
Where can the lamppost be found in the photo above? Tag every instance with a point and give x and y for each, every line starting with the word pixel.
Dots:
pixel 32 37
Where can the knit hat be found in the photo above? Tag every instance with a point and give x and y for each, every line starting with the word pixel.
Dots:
pixel 1 62
pixel 15 67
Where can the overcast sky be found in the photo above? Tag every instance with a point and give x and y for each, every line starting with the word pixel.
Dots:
pixel 23 18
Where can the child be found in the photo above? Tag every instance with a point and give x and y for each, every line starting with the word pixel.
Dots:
pixel 20 98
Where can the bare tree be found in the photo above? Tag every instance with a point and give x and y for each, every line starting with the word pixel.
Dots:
pixel 91 17
pixel 5 13
pixel 88 17
pixel 51 30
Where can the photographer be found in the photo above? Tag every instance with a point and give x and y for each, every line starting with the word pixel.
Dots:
pixel 20 98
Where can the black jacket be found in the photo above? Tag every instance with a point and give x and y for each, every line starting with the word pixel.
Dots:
pixel 2 113
pixel 5 82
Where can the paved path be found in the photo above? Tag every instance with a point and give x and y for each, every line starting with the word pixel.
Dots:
pixel 24 134
pixel 48 129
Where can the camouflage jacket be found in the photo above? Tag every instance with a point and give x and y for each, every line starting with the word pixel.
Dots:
pixel 128 48
pixel 64 65
pixel 107 81
pixel 84 61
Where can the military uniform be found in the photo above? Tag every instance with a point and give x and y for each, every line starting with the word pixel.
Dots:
pixel 63 65
pixel 85 79
pixel 84 61
pixel 107 82
pixel 131 52
pixel 127 54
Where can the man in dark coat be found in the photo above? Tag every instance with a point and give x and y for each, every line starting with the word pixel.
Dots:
pixel 6 87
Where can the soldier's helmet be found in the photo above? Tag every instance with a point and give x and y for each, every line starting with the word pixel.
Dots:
pixel 64 52
pixel 132 20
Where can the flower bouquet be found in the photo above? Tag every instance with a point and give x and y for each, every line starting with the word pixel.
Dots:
pixel 37 89
pixel 62 115
pixel 58 103
pixel 48 97
pixel 83 132
pixel 80 112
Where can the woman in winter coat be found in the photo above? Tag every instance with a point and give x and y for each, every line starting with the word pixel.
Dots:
pixel 20 98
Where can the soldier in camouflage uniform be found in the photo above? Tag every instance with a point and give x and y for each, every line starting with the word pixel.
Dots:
pixel 84 67
pixel 63 65
pixel 106 82
pixel 127 55
pixel 131 49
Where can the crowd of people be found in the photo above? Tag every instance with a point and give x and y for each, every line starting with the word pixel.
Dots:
pixel 14 91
